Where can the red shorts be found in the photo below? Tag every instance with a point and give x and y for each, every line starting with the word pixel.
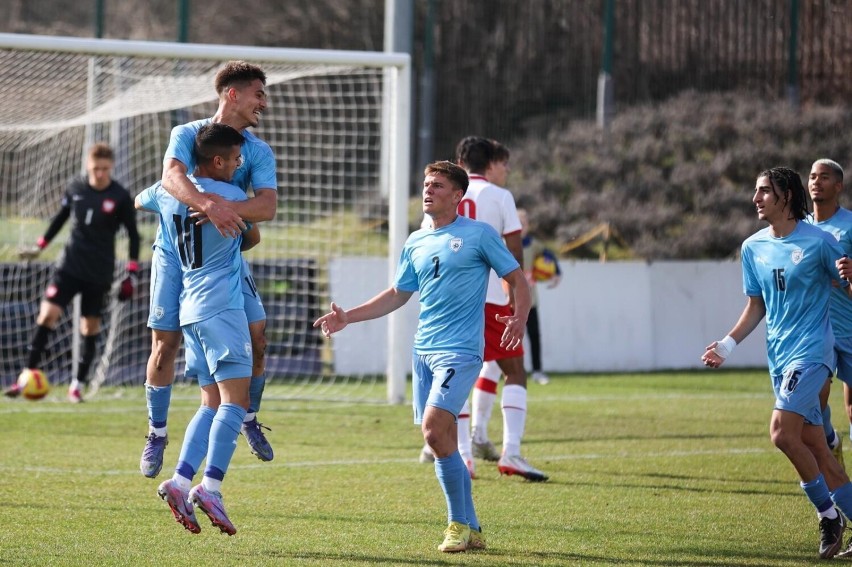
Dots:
pixel 494 332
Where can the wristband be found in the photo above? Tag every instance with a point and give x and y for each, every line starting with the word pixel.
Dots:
pixel 725 347
pixel 133 266
pixel 41 243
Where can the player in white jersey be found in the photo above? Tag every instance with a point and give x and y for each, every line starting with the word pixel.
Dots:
pixel 487 164
pixel 448 264
pixel 789 270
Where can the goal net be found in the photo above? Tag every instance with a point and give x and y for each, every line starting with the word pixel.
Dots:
pixel 338 125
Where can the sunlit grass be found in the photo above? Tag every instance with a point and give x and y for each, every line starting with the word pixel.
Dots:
pixel 645 469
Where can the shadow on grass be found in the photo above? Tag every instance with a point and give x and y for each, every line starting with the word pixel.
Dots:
pixel 535 558
pixel 775 488
pixel 651 435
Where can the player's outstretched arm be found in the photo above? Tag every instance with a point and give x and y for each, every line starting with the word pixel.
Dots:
pixel 175 181
pixel 336 320
pixel 717 352
pixel 333 321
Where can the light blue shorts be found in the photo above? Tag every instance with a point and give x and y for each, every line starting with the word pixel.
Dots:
pixel 443 380
pixel 251 298
pixel 797 390
pixel 218 348
pixel 166 285
pixel 843 352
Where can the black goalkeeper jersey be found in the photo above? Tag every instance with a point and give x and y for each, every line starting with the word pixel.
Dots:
pixel 96 217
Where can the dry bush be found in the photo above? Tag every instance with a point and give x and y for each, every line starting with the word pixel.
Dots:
pixel 674 179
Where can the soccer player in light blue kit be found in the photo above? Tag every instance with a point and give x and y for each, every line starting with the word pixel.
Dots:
pixel 825 184
pixel 788 272
pixel 242 99
pixel 448 264
pixel 214 325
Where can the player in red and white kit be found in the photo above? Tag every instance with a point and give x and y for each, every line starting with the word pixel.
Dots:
pixel 488 202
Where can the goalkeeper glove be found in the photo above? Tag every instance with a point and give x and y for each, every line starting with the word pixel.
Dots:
pixel 32 252
pixel 128 284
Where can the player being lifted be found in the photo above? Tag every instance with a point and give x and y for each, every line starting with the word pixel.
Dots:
pixel 98 207
pixel 214 327
pixel 242 99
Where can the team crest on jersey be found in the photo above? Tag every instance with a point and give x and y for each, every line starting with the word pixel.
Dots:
pixel 159 312
pixel 456 244
pixel 108 206
pixel 797 256
pixel 51 291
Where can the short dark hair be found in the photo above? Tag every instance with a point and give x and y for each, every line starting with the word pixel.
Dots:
pixel 501 152
pixel 475 153
pixel 456 174
pixel 215 139
pixel 789 184
pixel 101 150
pixel 833 166
pixel 237 74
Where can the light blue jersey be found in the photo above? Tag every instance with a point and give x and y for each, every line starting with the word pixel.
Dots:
pixel 794 276
pixel 257 170
pixel 449 267
pixel 211 264
pixel 840 308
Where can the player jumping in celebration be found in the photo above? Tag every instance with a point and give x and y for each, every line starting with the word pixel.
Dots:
pixel 242 99
pixel 214 326
pixel 448 264
pixel 98 207
pixel 788 272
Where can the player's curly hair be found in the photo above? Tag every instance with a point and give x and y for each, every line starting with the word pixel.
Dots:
pixel 787 184
pixel 237 74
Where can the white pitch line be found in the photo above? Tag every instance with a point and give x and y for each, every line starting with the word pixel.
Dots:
pixel 654 396
pixel 101 405
pixel 411 461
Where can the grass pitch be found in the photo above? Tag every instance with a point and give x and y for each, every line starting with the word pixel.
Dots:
pixel 645 469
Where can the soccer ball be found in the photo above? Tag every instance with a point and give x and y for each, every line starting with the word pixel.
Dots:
pixel 544 268
pixel 33 383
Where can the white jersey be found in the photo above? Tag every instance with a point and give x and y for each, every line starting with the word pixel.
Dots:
pixel 494 205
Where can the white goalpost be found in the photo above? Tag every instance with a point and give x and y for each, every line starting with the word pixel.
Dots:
pixel 339 125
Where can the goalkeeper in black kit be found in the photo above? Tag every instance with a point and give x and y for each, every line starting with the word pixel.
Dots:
pixel 98 207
